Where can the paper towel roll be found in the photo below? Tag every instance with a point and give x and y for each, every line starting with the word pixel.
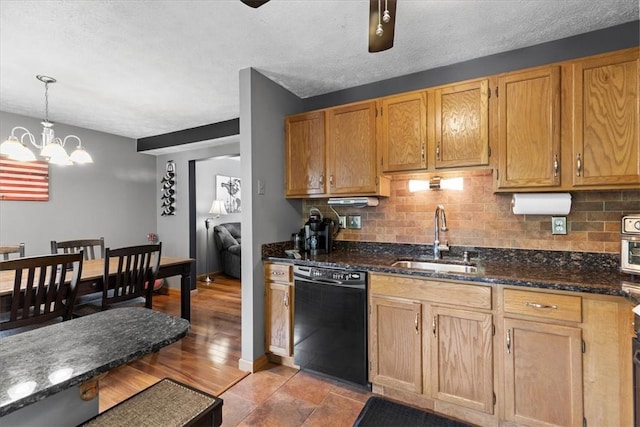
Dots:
pixel 541 203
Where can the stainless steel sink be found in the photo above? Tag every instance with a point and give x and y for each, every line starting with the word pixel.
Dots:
pixel 441 267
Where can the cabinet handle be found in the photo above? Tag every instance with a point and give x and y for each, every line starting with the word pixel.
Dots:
pixel 438 151
pixel 433 324
pixel 556 165
pixel 321 179
pixel 277 273
pixel 538 305
pixel 578 165
pixel 417 323
pixel 331 180
pixel 422 152
pixel 285 299
pixel 508 341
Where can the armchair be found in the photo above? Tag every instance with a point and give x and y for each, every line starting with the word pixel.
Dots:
pixel 228 241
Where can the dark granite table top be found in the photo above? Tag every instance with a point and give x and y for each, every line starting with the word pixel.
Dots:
pixel 47 360
pixel 565 271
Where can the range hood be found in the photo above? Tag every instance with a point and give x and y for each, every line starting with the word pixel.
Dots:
pixel 353 202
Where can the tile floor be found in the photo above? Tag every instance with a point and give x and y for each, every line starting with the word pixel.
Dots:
pixel 283 397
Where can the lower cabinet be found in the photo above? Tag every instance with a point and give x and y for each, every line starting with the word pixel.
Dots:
pixel 462 358
pixel 395 337
pixel 543 374
pixel 279 309
pixel 497 355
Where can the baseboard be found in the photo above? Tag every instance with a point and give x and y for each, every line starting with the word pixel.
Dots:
pixel 253 366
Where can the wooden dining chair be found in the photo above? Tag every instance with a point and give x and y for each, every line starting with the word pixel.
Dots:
pixel 92 248
pixel 7 250
pixel 128 278
pixel 44 291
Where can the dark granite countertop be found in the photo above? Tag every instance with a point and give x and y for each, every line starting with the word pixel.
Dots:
pixel 565 271
pixel 53 358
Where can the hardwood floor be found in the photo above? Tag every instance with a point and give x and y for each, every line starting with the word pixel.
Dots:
pixel 206 358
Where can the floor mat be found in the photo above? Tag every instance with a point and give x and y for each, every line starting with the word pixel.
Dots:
pixel 378 412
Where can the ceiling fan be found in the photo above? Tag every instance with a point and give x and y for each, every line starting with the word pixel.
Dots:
pixel 382 22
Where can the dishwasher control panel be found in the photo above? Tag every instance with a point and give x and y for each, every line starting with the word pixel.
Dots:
pixel 338 275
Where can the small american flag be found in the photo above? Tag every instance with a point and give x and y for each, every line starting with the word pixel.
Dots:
pixel 24 180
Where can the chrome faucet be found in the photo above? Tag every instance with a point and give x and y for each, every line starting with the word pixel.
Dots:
pixel 437 247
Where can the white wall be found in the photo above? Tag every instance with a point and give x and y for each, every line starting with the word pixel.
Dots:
pixel 114 197
pixel 206 171
pixel 269 217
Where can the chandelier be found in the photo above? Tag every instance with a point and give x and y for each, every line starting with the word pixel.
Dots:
pixel 50 146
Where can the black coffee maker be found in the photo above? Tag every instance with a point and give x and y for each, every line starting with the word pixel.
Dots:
pixel 318 234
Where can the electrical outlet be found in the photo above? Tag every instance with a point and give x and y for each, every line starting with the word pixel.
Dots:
pixel 342 221
pixel 558 225
pixel 353 221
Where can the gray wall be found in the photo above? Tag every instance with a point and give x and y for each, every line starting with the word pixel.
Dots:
pixel 113 197
pixel 269 217
pixel 206 171
pixel 173 230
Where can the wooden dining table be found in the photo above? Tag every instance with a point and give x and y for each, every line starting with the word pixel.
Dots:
pixel 93 270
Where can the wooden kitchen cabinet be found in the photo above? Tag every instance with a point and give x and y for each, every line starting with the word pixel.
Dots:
pixel 279 309
pixel 543 358
pixel 528 129
pixel 462 358
pixel 543 373
pixel 395 350
pixel 606 119
pixel 305 154
pixel 462 125
pixel 352 151
pixel 404 132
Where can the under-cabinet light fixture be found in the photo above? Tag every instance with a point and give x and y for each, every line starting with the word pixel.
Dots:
pixel 436 183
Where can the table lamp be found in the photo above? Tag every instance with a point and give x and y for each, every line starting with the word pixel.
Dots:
pixel 217 209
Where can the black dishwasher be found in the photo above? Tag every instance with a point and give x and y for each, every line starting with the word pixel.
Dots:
pixel 330 323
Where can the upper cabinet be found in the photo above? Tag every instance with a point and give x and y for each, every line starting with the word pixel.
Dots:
pixel 352 151
pixel 606 139
pixel 567 126
pixel 333 152
pixel 305 154
pixel 528 128
pixel 462 125
pixel 404 132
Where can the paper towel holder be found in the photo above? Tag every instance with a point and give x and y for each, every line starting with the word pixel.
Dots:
pixel 541 203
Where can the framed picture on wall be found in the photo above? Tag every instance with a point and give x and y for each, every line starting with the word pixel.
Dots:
pixel 228 190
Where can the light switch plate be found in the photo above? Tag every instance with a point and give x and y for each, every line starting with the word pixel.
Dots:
pixel 353 221
pixel 342 221
pixel 558 225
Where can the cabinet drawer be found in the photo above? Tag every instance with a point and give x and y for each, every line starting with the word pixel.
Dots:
pixel 278 272
pixel 541 304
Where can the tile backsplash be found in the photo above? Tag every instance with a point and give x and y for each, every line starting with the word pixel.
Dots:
pixel 476 216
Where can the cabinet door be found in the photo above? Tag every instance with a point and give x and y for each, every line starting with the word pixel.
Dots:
pixel 351 138
pixel 543 374
pixel 395 336
pixel 529 129
pixel 279 318
pixel 606 139
pixel 305 154
pixel 404 128
pixel 462 358
pixel 462 125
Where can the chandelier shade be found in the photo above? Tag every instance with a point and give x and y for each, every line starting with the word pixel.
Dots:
pixel 50 146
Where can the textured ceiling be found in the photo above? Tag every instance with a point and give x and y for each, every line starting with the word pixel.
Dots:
pixel 141 68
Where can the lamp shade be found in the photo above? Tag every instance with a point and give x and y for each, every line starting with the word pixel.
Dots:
pixel 217 208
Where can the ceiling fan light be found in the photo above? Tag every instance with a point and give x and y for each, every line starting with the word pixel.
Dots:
pixel 80 156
